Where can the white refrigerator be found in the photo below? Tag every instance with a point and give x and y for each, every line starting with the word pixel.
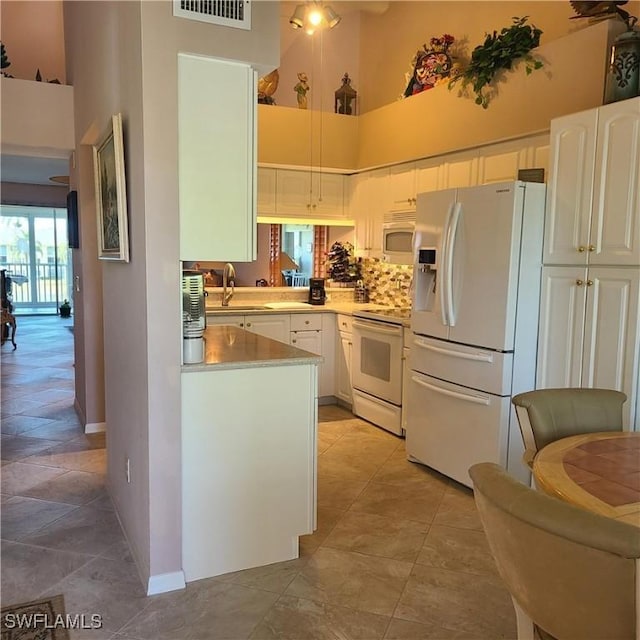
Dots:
pixel 474 320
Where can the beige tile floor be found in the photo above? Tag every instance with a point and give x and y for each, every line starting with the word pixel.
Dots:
pixel 398 554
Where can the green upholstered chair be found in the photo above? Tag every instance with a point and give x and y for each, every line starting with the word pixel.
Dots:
pixel 572 574
pixel 546 415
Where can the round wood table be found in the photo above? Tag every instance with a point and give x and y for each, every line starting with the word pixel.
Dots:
pixel 597 471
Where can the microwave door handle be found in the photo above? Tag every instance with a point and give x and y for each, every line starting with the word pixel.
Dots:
pixel 449 256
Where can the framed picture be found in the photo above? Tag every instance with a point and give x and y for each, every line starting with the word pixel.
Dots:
pixel 111 194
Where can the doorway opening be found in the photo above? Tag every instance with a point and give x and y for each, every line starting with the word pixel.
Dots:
pixel 34 251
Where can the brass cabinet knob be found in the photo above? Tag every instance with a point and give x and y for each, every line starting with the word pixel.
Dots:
pixel 306 322
pixel 592 247
pixel 293 341
pixel 248 324
pixel 581 249
pixel 589 283
pixel 579 282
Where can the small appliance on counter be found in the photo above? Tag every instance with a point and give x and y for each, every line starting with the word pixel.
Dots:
pixel 194 319
pixel 360 292
pixel 317 294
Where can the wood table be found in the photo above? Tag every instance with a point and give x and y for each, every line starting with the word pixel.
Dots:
pixel 597 471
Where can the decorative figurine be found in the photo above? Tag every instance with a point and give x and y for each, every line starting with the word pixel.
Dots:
pixel 344 95
pixel 431 66
pixel 301 89
pixel 267 86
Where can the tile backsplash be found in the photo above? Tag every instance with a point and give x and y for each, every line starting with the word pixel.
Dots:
pixel 388 284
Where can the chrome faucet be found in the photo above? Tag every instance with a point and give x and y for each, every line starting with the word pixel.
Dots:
pixel 228 279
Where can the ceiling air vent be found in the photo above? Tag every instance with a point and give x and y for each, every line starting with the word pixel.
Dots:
pixel 228 13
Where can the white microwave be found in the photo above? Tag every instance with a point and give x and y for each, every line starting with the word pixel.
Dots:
pixel 397 242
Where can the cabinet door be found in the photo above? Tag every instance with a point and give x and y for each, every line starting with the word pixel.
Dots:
pixel 230 319
pixel 311 341
pixel 612 333
pixel 275 326
pixel 561 331
pixel 266 191
pixel 375 206
pixel 216 159
pixel 328 194
pixel 570 185
pixel 343 367
pixel 460 170
pixel 429 175
pixel 293 192
pixel 615 224
pixel 500 162
pixel 401 187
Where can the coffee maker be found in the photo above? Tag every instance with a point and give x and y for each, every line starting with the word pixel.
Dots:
pixel 317 293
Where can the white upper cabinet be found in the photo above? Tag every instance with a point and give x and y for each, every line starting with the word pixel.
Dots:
pixel 429 175
pixel 309 193
pixel 216 159
pixel 367 208
pixel 593 199
pixel 266 191
pixel 401 187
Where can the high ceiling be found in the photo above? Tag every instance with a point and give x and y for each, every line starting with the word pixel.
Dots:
pixel 39 170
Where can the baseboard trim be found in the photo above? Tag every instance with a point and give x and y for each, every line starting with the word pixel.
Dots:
pixel 95 427
pixel 164 582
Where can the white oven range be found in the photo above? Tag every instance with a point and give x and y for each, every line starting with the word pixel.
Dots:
pixel 377 360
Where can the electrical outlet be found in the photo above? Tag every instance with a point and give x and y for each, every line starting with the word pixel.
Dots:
pixel 127 469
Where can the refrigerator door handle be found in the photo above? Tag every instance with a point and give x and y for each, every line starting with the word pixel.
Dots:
pixel 479 357
pixel 443 293
pixel 451 243
pixel 453 394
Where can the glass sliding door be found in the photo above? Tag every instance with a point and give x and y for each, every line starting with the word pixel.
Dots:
pixel 35 254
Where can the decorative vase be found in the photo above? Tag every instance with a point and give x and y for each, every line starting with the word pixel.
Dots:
pixel 623 76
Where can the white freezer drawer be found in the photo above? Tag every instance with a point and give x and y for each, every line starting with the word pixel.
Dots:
pixel 469 366
pixel 451 428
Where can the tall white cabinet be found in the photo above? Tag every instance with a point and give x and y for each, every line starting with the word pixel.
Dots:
pixel 589 322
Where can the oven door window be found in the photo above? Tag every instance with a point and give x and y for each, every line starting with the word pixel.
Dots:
pixel 375 359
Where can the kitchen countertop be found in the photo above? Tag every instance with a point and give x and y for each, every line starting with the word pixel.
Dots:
pixel 228 347
pixel 329 307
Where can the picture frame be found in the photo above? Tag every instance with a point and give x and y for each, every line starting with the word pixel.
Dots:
pixel 111 194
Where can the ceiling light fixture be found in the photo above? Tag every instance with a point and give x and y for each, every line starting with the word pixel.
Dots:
pixel 312 16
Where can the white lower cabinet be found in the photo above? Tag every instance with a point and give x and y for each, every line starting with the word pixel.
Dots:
pixel 344 345
pixel 589 332
pixel 313 332
pixel 273 325
pixel 243 461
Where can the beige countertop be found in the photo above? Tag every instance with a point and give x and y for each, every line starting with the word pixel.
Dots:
pixel 329 307
pixel 229 347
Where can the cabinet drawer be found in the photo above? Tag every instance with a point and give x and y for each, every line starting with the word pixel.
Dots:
pixel 306 322
pixel 344 323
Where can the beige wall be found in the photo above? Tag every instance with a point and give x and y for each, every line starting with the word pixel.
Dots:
pixel 525 104
pixel 384 60
pixel 32 33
